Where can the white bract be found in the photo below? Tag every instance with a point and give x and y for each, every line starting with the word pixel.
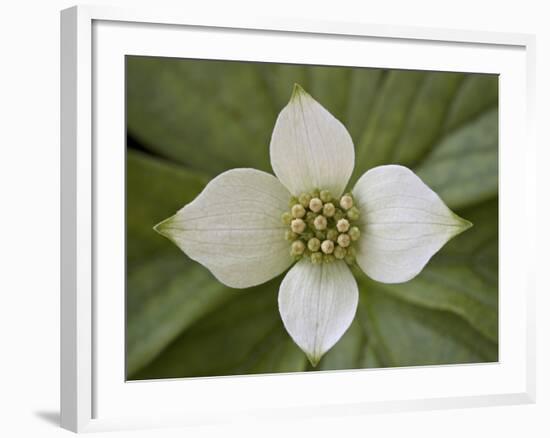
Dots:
pixel 243 229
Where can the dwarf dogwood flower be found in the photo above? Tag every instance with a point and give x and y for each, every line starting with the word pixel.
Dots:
pixel 248 226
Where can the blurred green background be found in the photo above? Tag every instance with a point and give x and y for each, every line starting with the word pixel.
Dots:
pixel 189 120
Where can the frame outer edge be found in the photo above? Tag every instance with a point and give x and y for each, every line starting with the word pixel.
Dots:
pixel 76 281
pixel 533 281
pixel 76 337
pixel 186 17
pixel 68 220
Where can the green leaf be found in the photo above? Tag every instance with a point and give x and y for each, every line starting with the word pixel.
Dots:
pixel 443 124
pixel 209 115
pixel 463 277
pixel 244 336
pixel 279 354
pixel 463 168
pixel 363 88
pixel 156 190
pixel 331 86
pixel 395 97
pixel 477 94
pixel 402 334
pixel 278 82
pixel 427 114
pixel 164 297
pixel 348 352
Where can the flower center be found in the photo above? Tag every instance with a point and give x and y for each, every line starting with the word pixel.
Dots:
pixel 322 228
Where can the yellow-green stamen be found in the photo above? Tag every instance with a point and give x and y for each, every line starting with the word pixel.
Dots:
pixel 298 211
pixel 314 244
pixel 346 202
pixel 322 228
pixel 298 226
pixel 297 248
pixel 320 223
pixel 315 205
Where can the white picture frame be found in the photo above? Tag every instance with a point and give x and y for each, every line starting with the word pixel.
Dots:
pixel 94 395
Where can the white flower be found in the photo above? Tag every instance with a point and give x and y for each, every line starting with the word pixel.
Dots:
pixel 243 229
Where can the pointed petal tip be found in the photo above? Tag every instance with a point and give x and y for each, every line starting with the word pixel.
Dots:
pixel 158 227
pixel 161 227
pixel 297 91
pixel 464 224
pixel 314 361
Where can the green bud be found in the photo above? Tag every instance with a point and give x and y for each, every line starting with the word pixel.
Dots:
pixel 329 209
pixel 286 217
pixel 325 196
pixel 350 256
pixel 353 213
pixel 306 235
pixel 354 233
pixel 298 211
pixel 314 244
pixel 349 259
pixel 304 199
pixel 339 214
pixel 339 252
pixel 293 200
pixel 332 234
pixel 290 235
pixel 321 235
pixel 297 248
pixel 315 193
pixel 316 258
pixel 328 258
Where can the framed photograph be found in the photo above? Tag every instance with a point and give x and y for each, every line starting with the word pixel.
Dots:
pixel 270 218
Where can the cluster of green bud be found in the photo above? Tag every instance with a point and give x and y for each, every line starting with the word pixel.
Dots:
pixel 322 228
